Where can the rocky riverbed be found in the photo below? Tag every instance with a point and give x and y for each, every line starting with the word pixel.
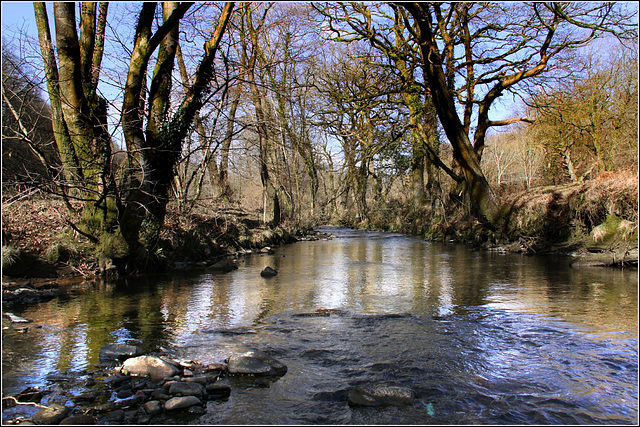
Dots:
pixel 129 387
pixel 134 388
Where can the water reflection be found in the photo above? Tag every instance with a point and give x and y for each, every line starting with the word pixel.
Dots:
pixel 481 336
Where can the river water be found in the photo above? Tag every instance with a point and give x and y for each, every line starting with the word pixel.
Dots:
pixel 481 337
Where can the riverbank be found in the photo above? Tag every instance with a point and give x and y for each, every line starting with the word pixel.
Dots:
pixel 40 247
pixel 594 222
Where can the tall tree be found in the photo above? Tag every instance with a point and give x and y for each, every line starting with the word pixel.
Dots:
pixel 136 213
pixel 503 46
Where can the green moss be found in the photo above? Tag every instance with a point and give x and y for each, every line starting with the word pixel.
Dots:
pixel 57 253
pixel 112 245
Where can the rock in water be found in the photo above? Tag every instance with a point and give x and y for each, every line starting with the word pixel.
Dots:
pixel 218 390
pixel 119 352
pixel 268 272
pixel 225 265
pixel 381 395
pixel 181 402
pixel 153 407
pixel 182 388
pixel 51 415
pixel 83 420
pixel 153 366
pixel 255 362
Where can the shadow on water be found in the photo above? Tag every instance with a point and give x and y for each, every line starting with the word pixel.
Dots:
pixel 480 337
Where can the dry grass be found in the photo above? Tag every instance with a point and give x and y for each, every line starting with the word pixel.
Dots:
pixel 34 224
pixel 576 208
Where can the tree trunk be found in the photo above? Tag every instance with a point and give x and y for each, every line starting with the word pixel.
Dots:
pixel 484 201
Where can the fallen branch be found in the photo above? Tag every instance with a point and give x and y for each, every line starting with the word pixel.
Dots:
pixel 15 402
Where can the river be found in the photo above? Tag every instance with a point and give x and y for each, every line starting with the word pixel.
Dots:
pixel 481 337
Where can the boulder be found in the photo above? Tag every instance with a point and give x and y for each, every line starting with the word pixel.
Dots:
pixel 180 388
pixel 152 407
pixel 381 395
pixel 119 352
pixel 181 402
pixel 218 390
pixel 51 415
pixel 255 362
pixel 156 368
pixel 268 272
pixel 224 265
pixel 83 420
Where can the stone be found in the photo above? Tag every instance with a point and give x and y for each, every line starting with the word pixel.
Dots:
pixel 152 407
pixel 78 420
pixel 115 416
pixel 119 352
pixel 51 415
pixel 381 395
pixel 199 379
pixel 181 402
pixel 168 385
pixel 224 265
pixel 159 394
pixel 156 368
pixel 84 398
pixel 114 380
pixel 255 362
pixel 186 389
pixel 218 391
pixel 268 272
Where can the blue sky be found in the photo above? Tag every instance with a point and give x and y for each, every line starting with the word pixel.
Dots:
pixel 17 14
pixel 19 17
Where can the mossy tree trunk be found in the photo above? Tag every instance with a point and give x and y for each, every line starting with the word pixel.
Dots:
pixel 79 114
pixel 79 117
pixel 484 200
pixel 153 152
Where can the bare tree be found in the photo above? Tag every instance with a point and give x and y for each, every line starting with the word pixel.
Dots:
pixel 505 46
pixel 154 141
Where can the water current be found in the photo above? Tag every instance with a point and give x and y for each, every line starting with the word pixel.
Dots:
pixel 481 337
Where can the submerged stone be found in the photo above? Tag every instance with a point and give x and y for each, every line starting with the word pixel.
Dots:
pixel 119 352
pixel 51 415
pixel 381 395
pixel 218 390
pixel 255 362
pixel 225 265
pixel 15 319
